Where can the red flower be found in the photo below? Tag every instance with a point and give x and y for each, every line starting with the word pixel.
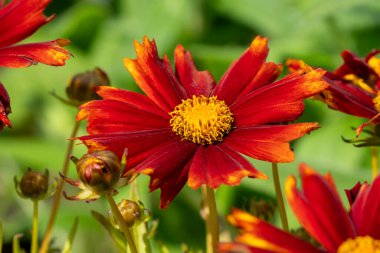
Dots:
pixel 5 108
pixel 18 20
pixel 354 86
pixel 320 211
pixel 187 129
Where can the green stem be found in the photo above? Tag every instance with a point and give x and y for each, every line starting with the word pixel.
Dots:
pixel 374 162
pixel 58 193
pixel 1 237
pixel 212 224
pixel 120 221
pixel 280 199
pixel 34 246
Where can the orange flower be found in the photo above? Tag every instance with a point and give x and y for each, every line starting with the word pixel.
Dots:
pixel 188 129
pixel 320 211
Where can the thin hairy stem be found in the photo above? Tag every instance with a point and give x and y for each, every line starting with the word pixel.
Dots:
pixel 280 199
pixel 211 217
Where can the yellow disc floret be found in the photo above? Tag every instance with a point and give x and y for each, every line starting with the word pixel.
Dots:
pixel 202 120
pixel 360 244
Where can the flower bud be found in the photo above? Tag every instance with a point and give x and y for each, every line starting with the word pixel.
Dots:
pixel 81 88
pixel 33 184
pixel 99 170
pixel 262 208
pixel 130 211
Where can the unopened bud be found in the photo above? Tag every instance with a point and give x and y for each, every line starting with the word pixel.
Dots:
pixel 34 185
pixel 81 88
pixel 99 170
pixel 262 208
pixel 131 211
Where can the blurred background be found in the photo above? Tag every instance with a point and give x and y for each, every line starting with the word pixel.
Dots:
pixel 216 32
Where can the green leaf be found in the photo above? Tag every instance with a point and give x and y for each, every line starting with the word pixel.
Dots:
pixel 117 236
pixel 68 245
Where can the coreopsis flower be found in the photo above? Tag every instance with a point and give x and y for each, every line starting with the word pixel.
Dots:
pixel 354 86
pixel 320 211
pixel 188 129
pixel 5 108
pixel 18 20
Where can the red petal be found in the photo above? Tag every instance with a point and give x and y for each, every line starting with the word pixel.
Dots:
pixel 366 208
pixel 319 210
pixel 168 168
pixel 260 234
pixel 267 142
pixel 5 108
pixel 195 82
pixel 133 98
pixel 241 72
pixel 284 97
pixel 152 76
pixel 215 165
pixel 268 73
pixel 140 144
pixel 112 116
pixel 354 65
pixel 349 99
pixel 50 53
pixel 21 18
pixel 353 193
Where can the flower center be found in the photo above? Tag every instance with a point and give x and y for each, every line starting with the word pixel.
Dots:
pixel 360 244
pixel 201 120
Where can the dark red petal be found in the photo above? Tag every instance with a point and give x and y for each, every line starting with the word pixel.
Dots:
pixel 268 73
pixel 284 96
pixel 112 116
pixel 195 82
pixel 152 76
pixel 319 209
pixel 241 72
pixel 353 192
pixel 50 53
pixel 260 234
pixel 168 168
pixel 268 142
pixel 140 144
pixel 5 108
pixel 350 99
pixel 365 210
pixel 21 18
pixel 215 165
pixel 354 65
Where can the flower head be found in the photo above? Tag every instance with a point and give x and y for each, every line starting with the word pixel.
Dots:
pixel 5 108
pixel 18 20
pixel 188 129
pixel 354 86
pixel 320 211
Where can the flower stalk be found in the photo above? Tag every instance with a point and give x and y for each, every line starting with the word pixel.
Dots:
pixel 58 194
pixel 34 245
pixel 374 162
pixel 280 199
pixel 211 217
pixel 123 226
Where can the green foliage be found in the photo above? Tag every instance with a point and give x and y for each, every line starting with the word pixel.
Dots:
pixel 216 32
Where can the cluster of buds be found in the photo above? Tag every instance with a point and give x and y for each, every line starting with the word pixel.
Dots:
pixel 99 172
pixel 34 185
